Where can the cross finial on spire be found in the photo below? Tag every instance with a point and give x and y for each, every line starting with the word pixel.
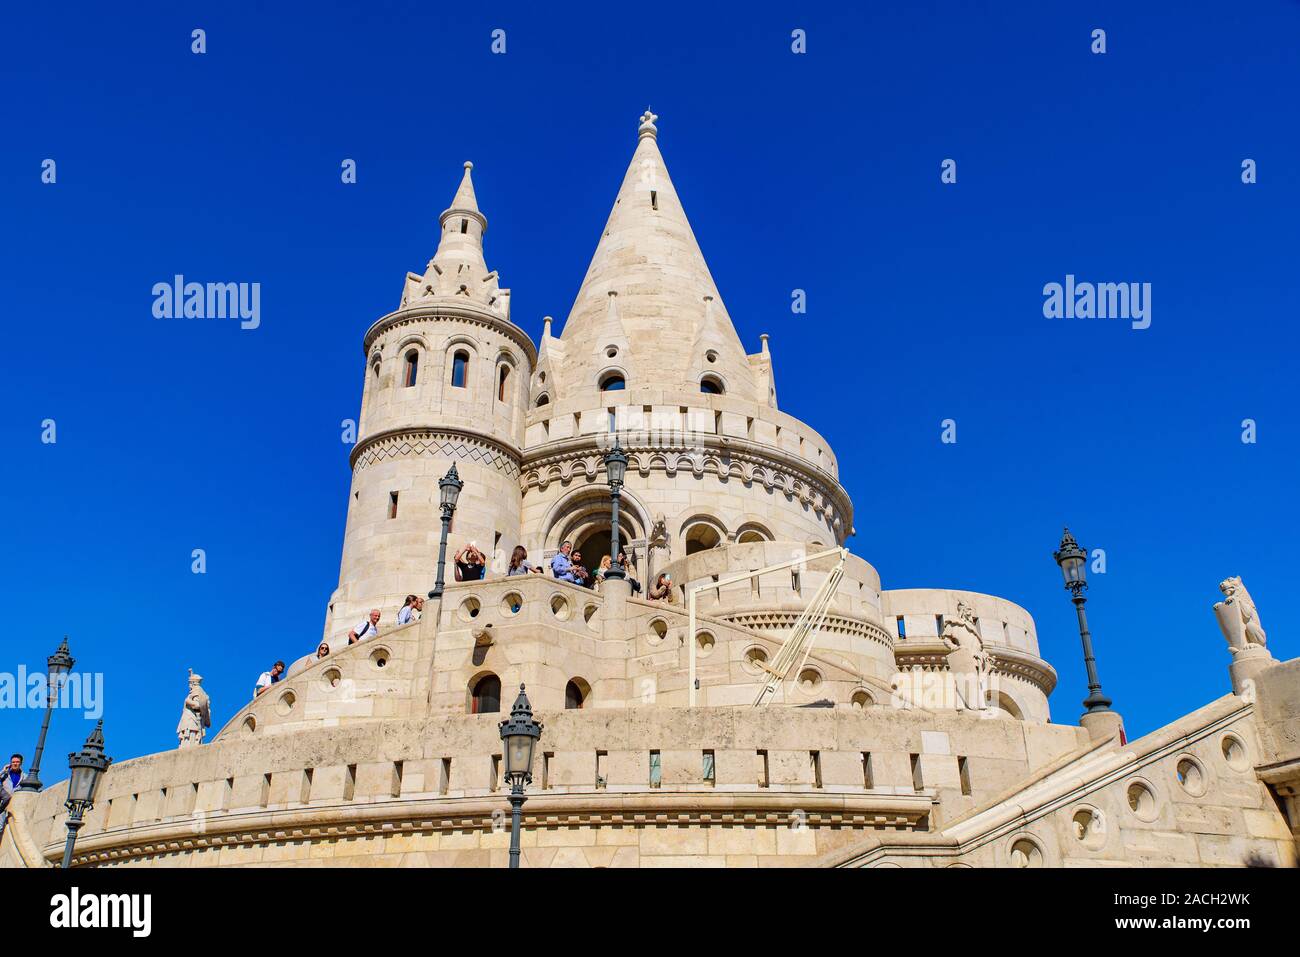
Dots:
pixel 647 124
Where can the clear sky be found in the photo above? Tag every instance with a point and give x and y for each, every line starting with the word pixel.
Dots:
pixel 818 171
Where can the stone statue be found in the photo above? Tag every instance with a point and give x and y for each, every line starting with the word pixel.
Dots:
pixel 195 717
pixel 1238 618
pixel 659 531
pixel 968 662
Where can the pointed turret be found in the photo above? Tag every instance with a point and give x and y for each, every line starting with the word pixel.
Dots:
pixel 667 305
pixel 458 269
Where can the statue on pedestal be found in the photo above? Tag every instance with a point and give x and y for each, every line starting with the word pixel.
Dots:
pixel 195 716
pixel 1238 619
pixel 968 662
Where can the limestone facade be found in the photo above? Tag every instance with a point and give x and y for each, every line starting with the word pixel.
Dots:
pixel 882 747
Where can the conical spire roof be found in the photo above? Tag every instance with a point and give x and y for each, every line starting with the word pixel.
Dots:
pixel 465 201
pixel 458 269
pixel 667 302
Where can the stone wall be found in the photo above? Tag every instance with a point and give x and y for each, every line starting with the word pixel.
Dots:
pixel 786 785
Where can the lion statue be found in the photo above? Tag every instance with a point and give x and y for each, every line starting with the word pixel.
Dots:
pixel 1238 618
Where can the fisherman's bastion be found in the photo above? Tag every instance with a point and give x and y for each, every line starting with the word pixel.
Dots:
pixel 783 709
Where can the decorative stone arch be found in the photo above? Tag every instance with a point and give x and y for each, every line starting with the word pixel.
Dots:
pixel 585 512
pixel 700 532
pixel 478 693
pixel 752 530
pixel 410 339
pixel 577 694
pixel 711 383
pixel 460 343
pixel 505 359
pixel 608 372
pixel 1003 701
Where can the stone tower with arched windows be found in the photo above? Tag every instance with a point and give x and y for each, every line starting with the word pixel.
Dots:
pixel 446 381
pixel 910 728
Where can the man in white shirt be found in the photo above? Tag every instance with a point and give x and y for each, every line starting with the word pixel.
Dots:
pixel 367 629
pixel 268 678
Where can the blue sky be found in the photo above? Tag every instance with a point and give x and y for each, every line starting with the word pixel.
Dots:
pixel 817 171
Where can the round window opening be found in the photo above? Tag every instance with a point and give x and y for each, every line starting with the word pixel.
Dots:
pixel 250 725
pixel 1141 801
pixel 1191 776
pixel 1234 752
pixel 470 608
pixel 755 659
pixel 1088 828
pixel 379 657
pixel 560 607
pixel 658 631
pixel 861 700
pixel 704 643
pixel 331 678
pixel 285 704
pixel 1025 853
pixel 810 679
pixel 511 604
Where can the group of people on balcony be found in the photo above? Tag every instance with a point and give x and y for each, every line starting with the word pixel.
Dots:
pixel 567 565
pixel 471 565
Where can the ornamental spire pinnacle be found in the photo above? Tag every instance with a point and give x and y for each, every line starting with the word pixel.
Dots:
pixel 648 127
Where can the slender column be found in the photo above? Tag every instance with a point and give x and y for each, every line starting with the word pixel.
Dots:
pixel 32 780
pixel 1096 701
pixel 74 825
pixel 442 556
pixel 516 812
pixel 615 570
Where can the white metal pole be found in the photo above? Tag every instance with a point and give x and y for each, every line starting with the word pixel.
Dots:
pixel 690 639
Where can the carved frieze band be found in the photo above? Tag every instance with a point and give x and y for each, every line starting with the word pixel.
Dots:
pixel 438 443
pixel 892 818
pixel 1007 662
pixel 706 455
pixel 454 312
pixel 775 620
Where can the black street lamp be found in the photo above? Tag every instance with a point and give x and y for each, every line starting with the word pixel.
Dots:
pixel 57 665
pixel 87 766
pixel 1073 559
pixel 615 469
pixel 449 487
pixel 519 734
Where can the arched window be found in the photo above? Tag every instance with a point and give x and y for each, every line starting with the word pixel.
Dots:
pixel 459 369
pixel 501 382
pixel 543 399
pixel 711 385
pixel 374 366
pixel 486 696
pixel 612 383
pixel 701 536
pixel 412 367
pixel 575 694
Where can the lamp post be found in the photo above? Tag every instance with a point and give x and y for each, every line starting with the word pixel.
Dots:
pixel 615 469
pixel 1072 559
pixel 519 734
pixel 449 487
pixel 57 665
pixel 87 766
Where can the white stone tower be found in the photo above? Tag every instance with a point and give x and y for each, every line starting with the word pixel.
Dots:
pixel 446 381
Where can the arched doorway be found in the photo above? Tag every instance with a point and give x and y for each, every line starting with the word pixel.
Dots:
pixel 485 695
pixel 583 519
